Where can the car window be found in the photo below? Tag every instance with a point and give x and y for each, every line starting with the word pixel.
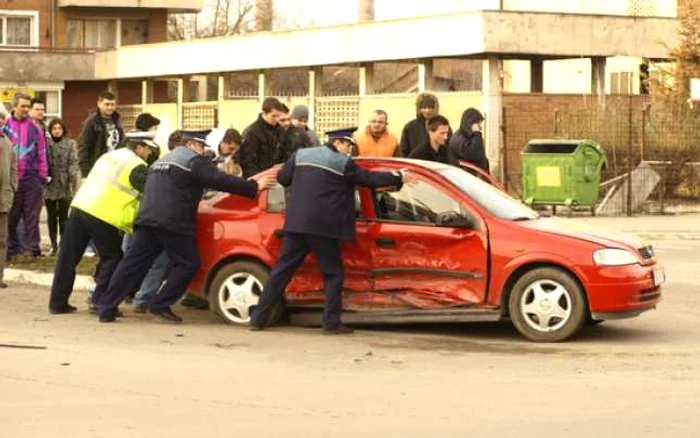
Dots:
pixel 489 197
pixel 417 203
pixel 278 196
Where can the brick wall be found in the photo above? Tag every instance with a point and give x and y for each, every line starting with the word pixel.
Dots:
pixel 533 116
pixel 79 100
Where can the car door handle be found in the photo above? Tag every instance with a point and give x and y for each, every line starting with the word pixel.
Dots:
pixel 279 234
pixel 385 242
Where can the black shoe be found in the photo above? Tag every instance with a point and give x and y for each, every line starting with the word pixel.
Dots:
pixel 140 309
pixel 340 330
pixel 63 310
pixel 108 318
pixel 166 314
pixel 194 302
pixel 255 327
pixel 3 285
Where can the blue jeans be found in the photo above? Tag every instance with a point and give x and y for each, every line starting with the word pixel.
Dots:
pixel 153 281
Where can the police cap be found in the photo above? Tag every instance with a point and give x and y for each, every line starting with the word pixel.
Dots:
pixel 342 134
pixel 200 136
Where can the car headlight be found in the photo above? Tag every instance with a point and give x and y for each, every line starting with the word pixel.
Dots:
pixel 614 257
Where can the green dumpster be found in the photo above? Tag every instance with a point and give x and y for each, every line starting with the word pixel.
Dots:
pixel 562 172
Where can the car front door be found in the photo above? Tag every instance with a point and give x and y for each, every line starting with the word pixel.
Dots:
pixel 421 261
pixel 306 289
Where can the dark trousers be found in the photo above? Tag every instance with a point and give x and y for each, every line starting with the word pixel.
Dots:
pixel 26 206
pixel 80 229
pixel 294 250
pixel 146 246
pixel 57 214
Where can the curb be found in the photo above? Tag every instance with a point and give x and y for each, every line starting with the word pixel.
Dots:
pixel 82 282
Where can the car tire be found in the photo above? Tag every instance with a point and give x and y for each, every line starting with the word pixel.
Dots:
pixel 234 292
pixel 547 305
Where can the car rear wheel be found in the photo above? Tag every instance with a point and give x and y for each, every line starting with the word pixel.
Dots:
pixel 235 291
pixel 547 305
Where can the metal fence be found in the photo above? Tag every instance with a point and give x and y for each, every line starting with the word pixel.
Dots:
pixel 653 149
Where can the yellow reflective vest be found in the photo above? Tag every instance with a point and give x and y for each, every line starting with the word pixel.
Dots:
pixel 107 192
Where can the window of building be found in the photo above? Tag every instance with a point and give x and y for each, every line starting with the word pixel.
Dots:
pixel 134 32
pixel 53 103
pixel 91 34
pixel 621 82
pixel 18 28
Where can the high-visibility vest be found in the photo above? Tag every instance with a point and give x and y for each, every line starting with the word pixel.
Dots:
pixel 107 192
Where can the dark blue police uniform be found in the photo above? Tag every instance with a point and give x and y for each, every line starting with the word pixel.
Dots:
pixel 166 221
pixel 320 214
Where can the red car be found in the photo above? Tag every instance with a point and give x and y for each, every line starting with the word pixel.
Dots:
pixel 448 248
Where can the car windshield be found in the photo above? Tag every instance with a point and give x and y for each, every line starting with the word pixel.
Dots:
pixel 489 197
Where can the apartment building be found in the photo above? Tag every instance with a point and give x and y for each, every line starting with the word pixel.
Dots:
pixel 47 47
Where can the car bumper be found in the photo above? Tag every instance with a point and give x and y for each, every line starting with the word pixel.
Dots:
pixel 625 290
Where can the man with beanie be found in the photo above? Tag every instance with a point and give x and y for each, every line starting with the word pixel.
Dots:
pixel 300 119
pixel 468 142
pixel 414 134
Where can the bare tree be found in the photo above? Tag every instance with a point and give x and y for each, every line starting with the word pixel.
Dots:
pixel 217 18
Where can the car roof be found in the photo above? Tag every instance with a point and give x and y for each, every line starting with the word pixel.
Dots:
pixel 431 165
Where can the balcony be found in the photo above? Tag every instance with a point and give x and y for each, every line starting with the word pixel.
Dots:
pixel 37 64
pixel 172 5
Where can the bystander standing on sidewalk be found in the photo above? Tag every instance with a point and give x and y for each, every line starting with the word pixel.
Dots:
pixel 8 187
pixel 64 181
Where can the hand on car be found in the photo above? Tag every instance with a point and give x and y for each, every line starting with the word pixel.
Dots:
pixel 266 182
pixel 408 178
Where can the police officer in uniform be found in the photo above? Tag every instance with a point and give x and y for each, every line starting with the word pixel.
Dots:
pixel 166 221
pixel 103 209
pixel 320 215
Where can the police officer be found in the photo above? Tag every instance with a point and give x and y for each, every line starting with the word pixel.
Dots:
pixel 103 209
pixel 166 221
pixel 321 214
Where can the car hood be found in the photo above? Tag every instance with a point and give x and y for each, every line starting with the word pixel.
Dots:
pixel 607 237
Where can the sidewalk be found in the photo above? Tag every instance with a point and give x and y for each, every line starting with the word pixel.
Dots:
pixel 652 228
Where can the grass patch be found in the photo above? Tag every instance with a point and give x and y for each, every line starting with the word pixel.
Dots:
pixel 48 263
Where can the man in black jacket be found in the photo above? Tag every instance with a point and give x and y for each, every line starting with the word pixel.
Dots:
pixel 414 134
pixel 260 148
pixel 101 132
pixel 321 214
pixel 434 149
pixel 468 142
pixel 166 221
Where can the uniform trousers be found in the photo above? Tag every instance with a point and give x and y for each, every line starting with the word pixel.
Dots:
pixel 294 250
pixel 148 243
pixel 82 227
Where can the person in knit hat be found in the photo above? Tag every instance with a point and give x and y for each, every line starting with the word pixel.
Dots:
pixel 300 119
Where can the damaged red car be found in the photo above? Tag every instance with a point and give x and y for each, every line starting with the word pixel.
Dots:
pixel 449 248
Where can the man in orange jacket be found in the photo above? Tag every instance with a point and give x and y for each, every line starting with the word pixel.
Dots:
pixel 376 141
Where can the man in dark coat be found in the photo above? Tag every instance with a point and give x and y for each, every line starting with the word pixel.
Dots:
pixel 434 149
pixel 468 142
pixel 414 134
pixel 166 221
pixel 101 133
pixel 321 214
pixel 260 148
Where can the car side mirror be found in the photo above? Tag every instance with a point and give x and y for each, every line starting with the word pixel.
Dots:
pixel 454 220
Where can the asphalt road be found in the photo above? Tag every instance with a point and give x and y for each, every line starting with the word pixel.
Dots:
pixel 143 378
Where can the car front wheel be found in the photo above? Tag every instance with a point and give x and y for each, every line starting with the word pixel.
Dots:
pixel 547 305
pixel 235 291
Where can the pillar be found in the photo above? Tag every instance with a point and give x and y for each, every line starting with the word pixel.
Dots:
pixel 426 80
pixel 536 75
pixel 180 101
pixel 492 95
pixel 366 10
pixel 598 78
pixel 315 90
pixel 366 79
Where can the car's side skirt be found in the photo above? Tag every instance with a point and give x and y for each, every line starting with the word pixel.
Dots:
pixel 313 318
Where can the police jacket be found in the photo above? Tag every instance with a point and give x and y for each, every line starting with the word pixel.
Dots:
pixel 260 148
pixel 175 186
pixel 322 200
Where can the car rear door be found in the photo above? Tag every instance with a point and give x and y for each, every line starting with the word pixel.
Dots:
pixel 306 289
pixel 418 263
